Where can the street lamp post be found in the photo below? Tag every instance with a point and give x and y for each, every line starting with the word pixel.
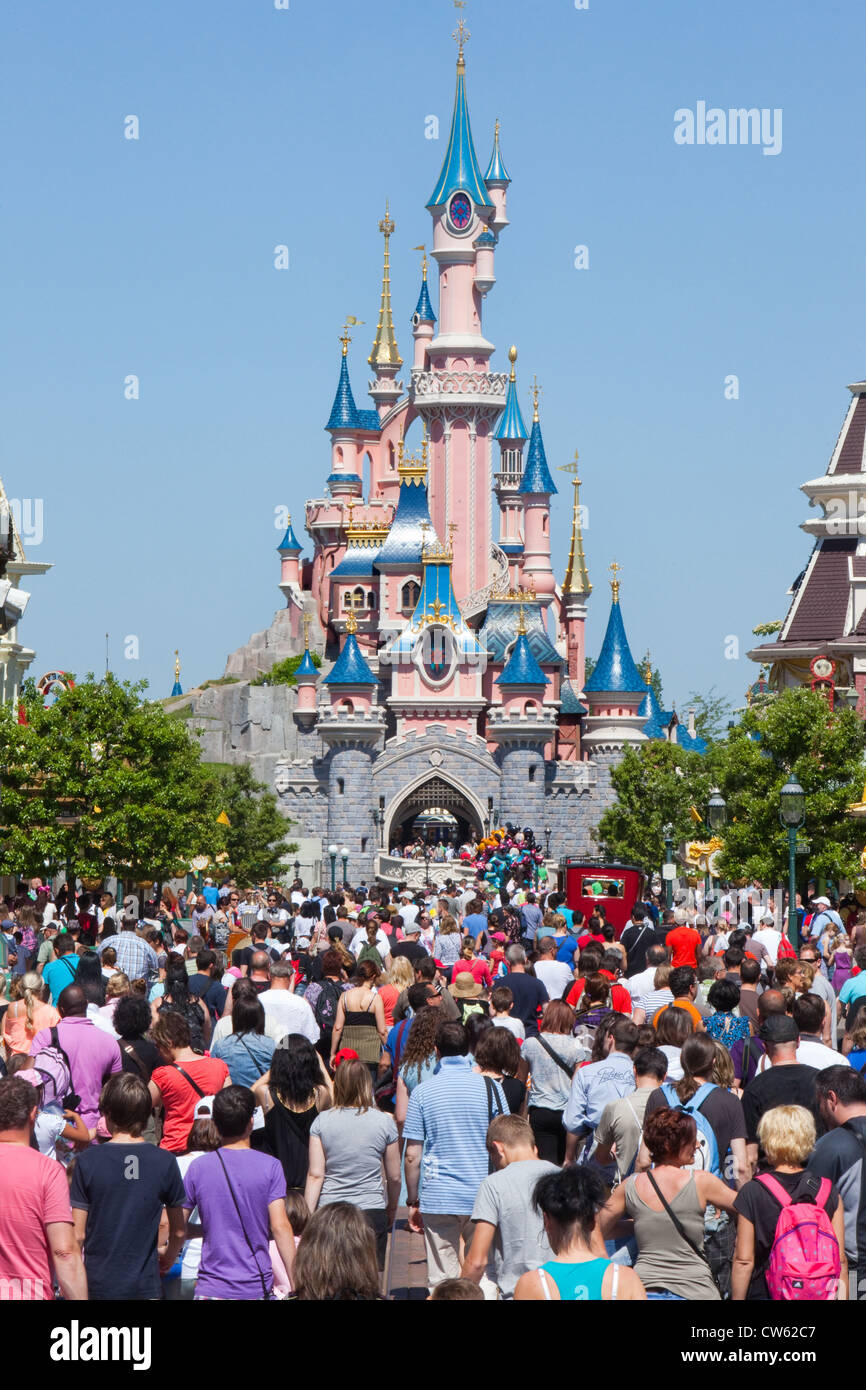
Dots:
pixel 717 814
pixel 668 833
pixel 427 865
pixel 344 855
pixel 547 834
pixel 333 851
pixel 297 868
pixel 792 814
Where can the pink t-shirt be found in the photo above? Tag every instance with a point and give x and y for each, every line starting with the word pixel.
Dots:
pixel 33 1192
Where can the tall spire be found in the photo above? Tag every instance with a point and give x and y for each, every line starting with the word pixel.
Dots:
pixel 424 309
pixel 511 425
pixel 496 170
pixel 385 353
pixel 536 474
pixel 344 412
pixel 460 168
pixel 615 669
pixel 576 578
pixel 176 688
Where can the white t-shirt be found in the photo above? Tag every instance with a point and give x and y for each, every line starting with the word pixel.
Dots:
pixel 641 984
pixel 769 938
pixel 514 1025
pixel 223 1027
pixel 290 1012
pixel 555 975
pixel 359 940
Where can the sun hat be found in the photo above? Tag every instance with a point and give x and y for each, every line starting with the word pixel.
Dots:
pixel 465 986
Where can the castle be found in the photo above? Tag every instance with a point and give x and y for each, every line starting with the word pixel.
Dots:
pixel 452 684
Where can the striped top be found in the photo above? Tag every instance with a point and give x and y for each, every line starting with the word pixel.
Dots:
pixel 449 1114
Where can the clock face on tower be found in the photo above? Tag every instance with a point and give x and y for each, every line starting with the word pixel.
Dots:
pixel 460 211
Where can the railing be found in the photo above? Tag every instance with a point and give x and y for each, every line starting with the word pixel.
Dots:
pixel 477 601
pixel 434 386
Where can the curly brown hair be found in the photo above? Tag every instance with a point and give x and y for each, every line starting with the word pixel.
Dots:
pixel 421 1042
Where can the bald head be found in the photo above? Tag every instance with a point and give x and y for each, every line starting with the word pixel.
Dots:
pixel 772 1001
pixel 260 963
pixel 72 1002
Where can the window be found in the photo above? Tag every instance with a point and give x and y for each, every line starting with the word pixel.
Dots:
pixel 371 600
pixel 545 523
pixel 346 707
pixel 436 655
pixel 409 596
pixel 532 770
pixel 364 839
pixel 354 598
pixel 341 785
pixel 530 709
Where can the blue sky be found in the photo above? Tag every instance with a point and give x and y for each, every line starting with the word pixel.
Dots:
pixel 261 127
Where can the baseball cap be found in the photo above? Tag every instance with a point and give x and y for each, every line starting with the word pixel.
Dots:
pixel 779 1028
pixel 413 929
pixel 825 902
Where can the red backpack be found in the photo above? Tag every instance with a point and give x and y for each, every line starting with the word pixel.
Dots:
pixel 804 1261
pixel 786 950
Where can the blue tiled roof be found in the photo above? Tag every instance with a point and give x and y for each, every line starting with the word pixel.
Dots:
pixel 615 669
pixel 306 671
pixel 522 668
pixel 350 668
pixel 176 689
pixel 342 478
pixel 460 169
pixel 500 629
pixel 536 474
pixel 685 740
pixel 511 426
pixel 290 543
pixel 486 239
pixel 343 411
pixel 345 415
pixel 496 170
pixel 569 703
pixel 405 540
pixel 658 719
pixel 357 563
pixel 512 547
pixel 424 309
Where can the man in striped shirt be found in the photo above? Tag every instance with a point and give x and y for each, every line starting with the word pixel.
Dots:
pixel 446 1129
pixel 135 956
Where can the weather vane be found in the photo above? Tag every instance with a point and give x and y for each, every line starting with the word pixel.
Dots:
pixel 423 249
pixel 344 336
pixel 387 225
pixel 461 33
pixel 573 468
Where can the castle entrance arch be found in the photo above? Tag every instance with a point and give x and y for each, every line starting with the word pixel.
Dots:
pixel 435 811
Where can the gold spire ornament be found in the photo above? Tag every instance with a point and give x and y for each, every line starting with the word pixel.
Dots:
pixel 176 664
pixel 521 622
pixel 615 569
pixel 512 357
pixel 423 249
pixel 351 623
pixel 344 336
pixel 647 669
pixel 576 575
pixel 306 621
pixel 460 35
pixel 385 353
pixel 536 392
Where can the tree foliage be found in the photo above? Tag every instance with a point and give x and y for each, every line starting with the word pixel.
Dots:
pixel 256 838
pixel 284 672
pixel 656 785
pixel 712 713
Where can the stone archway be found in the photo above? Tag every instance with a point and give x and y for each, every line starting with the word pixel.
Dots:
pixel 434 792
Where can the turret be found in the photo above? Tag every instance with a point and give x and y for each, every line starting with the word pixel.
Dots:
pixel 289 550
pixel 176 689
pixel 306 681
pixel 423 319
pixel 343 423
pixel 576 589
pixel 350 681
pixel 385 358
pixel 511 435
pixel 524 728
pixel 536 490
pixel 616 690
pixel 497 182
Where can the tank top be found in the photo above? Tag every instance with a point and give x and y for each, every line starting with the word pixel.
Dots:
pixel 665 1260
pixel 287 1138
pixel 578 1282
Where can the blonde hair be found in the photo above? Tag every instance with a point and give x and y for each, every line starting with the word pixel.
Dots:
pixel 31 988
pixel 117 985
pixel 662 975
pixel 447 925
pixel 787 1135
pixel 401 974
pixel 723 1067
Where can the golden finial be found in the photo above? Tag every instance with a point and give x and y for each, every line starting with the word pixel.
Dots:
pixel 452 527
pixel 385 352
pixel 461 34
pixel 306 621
pixel 176 664
pixel 647 669
pixel 576 576
pixel 344 336
pixel 496 129
pixel 521 622
pixel 512 357
pixel 350 507
pixel 423 249
pixel 615 569
pixel 536 391
pixel 351 623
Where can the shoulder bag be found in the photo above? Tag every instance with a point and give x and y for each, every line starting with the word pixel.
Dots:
pixel 267 1297
pixel 680 1228
pixel 569 1070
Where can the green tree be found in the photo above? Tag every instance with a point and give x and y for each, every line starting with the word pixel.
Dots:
pixel 656 784
pixel 103 781
pixel 284 672
pixel 256 838
pixel 712 713
pixel 793 732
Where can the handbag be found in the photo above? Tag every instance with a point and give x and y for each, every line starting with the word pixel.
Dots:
pixel 569 1071
pixel 266 1297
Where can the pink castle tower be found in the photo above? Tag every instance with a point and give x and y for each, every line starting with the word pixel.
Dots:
pixel 576 589
pixel 458 397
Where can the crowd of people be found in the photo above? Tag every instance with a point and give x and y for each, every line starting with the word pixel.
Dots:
pixel 241 1093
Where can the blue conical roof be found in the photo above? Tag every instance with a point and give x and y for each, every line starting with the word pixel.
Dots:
pixel 496 170
pixel 306 671
pixel 658 720
pixel 350 668
pixel 290 544
pixel 404 543
pixel 176 688
pixel 522 668
pixel 344 412
pixel 511 426
pixel 616 670
pixel 536 474
pixel 460 169
pixel 424 309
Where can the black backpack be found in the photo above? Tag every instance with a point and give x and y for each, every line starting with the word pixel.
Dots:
pixel 325 1010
